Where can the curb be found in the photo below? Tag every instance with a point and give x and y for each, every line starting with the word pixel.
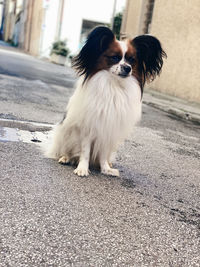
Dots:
pixel 177 107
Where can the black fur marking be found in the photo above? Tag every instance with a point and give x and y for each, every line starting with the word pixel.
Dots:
pixel 97 42
pixel 150 56
pixel 64 117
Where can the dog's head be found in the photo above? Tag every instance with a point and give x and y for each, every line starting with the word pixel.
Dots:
pixel 141 57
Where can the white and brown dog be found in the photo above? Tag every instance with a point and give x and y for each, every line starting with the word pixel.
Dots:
pixel 107 100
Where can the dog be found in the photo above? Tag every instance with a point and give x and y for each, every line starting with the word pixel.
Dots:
pixel 107 101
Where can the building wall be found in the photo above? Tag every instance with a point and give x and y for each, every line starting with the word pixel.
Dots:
pixel 177 25
pixel 9 19
pixel 76 11
pixel 18 23
pixel 23 18
pixel 69 25
pixel 1 13
pixel 13 27
pixel 36 16
pixel 133 18
pixel 43 22
pixel 27 24
pixel 6 20
pixel 32 25
pixel 49 33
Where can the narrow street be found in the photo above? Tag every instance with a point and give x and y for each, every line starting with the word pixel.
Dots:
pixel 150 216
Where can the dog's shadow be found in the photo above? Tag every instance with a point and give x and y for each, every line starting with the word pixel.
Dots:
pixel 128 178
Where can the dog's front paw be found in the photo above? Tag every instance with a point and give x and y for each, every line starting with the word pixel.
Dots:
pixel 81 171
pixel 110 171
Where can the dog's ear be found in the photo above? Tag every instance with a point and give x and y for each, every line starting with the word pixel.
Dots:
pixel 97 42
pixel 99 39
pixel 149 55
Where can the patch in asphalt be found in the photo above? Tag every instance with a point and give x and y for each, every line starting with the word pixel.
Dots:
pixel 17 135
pixel 19 131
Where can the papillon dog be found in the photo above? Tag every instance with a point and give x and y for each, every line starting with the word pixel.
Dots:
pixel 107 101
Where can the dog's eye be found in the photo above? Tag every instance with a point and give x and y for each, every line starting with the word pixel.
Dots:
pixel 115 59
pixel 130 60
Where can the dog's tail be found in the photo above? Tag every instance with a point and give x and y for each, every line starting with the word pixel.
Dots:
pixel 48 146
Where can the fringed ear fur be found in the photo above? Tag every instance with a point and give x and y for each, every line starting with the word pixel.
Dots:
pixel 150 56
pixel 97 42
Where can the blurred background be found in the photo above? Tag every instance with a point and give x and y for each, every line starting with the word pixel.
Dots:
pixel 57 29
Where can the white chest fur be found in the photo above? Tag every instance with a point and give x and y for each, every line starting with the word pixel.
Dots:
pixel 103 112
pixel 106 108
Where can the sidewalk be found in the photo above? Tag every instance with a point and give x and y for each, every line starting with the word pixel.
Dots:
pixel 174 105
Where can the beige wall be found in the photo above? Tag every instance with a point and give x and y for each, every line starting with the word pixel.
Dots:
pixel 9 20
pixel 34 19
pixel 27 24
pixel 133 17
pixel 36 27
pixel 177 26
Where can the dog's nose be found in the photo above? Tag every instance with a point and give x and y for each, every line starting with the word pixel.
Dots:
pixel 126 68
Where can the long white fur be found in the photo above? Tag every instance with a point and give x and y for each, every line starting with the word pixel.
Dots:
pixel 100 115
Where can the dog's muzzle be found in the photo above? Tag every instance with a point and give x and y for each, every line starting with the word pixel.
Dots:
pixel 125 70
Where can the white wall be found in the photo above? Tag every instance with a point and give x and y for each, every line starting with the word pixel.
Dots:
pixel 74 12
pixel 77 10
pixel 49 28
pixel 1 13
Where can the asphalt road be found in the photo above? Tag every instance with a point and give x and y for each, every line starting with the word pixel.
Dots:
pixel 17 64
pixel 150 216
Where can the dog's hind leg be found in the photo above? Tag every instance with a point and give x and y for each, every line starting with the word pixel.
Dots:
pixel 82 168
pixel 106 169
pixel 63 160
